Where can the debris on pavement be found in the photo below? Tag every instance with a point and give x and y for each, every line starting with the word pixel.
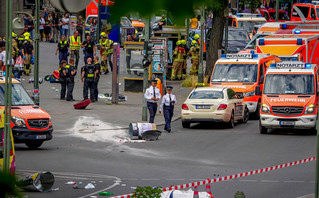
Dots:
pixel 70 182
pixel 89 186
pixel 106 193
pixel 131 141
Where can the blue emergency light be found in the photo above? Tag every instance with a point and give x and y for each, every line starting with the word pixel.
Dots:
pixel 261 42
pixel 273 65
pixel 299 41
pixel 297 31
pixel 308 65
pixel 294 59
pixel 239 15
pixel 284 26
pixel 223 56
pixel 259 15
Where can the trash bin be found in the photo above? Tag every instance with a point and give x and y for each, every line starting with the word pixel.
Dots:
pixel 145 131
pixel 41 182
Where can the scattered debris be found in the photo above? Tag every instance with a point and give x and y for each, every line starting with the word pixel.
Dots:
pixel 123 185
pixel 131 141
pixel 55 189
pixel 89 186
pixel 71 183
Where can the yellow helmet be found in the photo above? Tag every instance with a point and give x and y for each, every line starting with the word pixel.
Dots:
pixel 103 34
pixel 14 35
pixel 193 42
pixel 178 42
pixel 196 36
pixel 183 42
pixel 26 34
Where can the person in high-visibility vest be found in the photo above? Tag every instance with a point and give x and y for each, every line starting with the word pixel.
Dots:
pixel 184 69
pixel 178 56
pixel 87 29
pixel 195 58
pixel 104 44
pixel 75 45
pixel 15 49
pixel 27 52
pixel 110 53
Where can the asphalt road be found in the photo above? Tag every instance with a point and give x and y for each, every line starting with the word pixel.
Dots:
pixel 185 155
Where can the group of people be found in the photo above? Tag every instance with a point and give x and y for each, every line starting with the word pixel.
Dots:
pixel 180 53
pixel 90 73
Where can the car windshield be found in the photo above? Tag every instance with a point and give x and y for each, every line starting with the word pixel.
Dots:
pixel 19 95
pixel 317 10
pixel 252 42
pixel 206 94
pixel 282 16
pixel 237 35
pixel 249 25
pixel 235 73
pixel 298 84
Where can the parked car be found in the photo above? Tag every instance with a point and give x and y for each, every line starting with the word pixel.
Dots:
pixel 214 104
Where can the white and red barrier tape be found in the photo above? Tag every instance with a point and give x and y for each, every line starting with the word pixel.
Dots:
pixel 207 181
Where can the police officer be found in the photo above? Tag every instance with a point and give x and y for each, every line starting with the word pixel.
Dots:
pixel 62 79
pixel 89 48
pixel 63 48
pixel 97 76
pixel 152 95
pixel 27 52
pixel 167 104
pixel 70 73
pixel 88 77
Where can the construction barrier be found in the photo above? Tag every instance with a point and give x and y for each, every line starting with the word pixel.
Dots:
pixel 235 176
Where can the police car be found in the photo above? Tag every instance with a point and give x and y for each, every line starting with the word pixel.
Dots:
pixel 214 104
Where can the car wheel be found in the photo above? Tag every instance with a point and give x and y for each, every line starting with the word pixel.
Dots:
pixel 186 124
pixel 245 117
pixel 256 114
pixel 262 130
pixel 34 144
pixel 231 122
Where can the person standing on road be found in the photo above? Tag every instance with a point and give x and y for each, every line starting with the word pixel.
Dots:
pixel 62 79
pixel 80 26
pixel 152 95
pixel 89 48
pixel 184 69
pixel 75 44
pixel 167 104
pixel 41 27
pixel 97 76
pixel 55 28
pixel 65 25
pixel 194 52
pixel 63 48
pixel 110 53
pixel 178 56
pixel 70 73
pixel 104 52
pixel 27 52
pixel 88 77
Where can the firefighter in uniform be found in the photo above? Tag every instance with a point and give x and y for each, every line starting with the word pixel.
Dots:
pixel 195 58
pixel 75 44
pixel 27 52
pixel 70 73
pixel 88 77
pixel 63 48
pixel 167 104
pixel 184 70
pixel 110 53
pixel 196 38
pixel 178 56
pixel 104 52
pixel 97 76
pixel 62 79
pixel 15 49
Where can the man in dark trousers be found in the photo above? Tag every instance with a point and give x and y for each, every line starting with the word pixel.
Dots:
pixel 89 48
pixel 63 48
pixel 88 77
pixel 152 95
pixel 70 73
pixel 97 76
pixel 62 79
pixel 167 104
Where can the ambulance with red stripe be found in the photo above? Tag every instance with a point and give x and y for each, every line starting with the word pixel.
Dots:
pixel 290 98
pixel 243 73
pixel 306 45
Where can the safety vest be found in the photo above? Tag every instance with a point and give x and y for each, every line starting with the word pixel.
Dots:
pixel 89 73
pixel 179 52
pixel 110 43
pixel 106 45
pixel 195 52
pixel 87 29
pixel 63 45
pixel 75 44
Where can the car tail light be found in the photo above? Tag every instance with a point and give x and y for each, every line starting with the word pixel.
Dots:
pixel 222 107
pixel 184 107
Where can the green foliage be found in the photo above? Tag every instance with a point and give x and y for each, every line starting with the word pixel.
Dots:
pixel 253 4
pixel 8 185
pixel 180 9
pixel 147 192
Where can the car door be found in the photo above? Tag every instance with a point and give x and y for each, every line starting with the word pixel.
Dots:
pixel 232 101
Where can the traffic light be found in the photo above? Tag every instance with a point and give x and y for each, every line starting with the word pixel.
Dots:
pixel 148 48
pixel 146 61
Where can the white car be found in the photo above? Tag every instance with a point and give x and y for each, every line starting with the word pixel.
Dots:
pixel 214 104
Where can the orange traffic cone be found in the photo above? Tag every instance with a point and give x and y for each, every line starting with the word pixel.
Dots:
pixel 196 192
pixel 208 190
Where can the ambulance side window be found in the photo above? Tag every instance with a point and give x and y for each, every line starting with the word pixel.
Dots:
pixel 313 14
pixel 266 16
pixel 261 73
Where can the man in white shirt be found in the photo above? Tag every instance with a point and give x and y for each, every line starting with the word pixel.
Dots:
pixel 152 95
pixel 168 102
pixel 3 56
pixel 65 25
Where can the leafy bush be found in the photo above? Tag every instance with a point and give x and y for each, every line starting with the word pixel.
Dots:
pixel 148 192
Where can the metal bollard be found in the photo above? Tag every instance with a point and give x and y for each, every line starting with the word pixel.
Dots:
pixel 239 195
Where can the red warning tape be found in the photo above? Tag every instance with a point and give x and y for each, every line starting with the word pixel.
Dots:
pixel 208 181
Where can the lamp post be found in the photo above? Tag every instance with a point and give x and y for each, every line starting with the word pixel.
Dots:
pixel 36 92
pixel 200 67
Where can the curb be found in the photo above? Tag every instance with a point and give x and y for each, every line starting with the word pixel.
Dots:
pixel 307 196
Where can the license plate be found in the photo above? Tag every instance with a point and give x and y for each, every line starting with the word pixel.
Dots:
pixel 287 123
pixel 202 106
pixel 40 137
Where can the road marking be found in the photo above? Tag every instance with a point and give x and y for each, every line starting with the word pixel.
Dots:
pixel 294 181
pixel 105 189
pixel 247 180
pixel 269 181
pixel 175 179
pixel 150 179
